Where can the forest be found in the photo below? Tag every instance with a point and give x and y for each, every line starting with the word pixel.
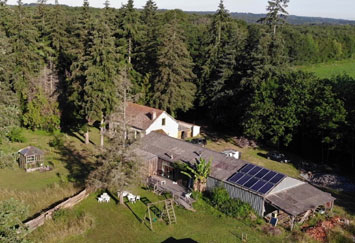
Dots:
pixel 66 68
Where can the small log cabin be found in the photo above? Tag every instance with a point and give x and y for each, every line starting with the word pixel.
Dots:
pixel 270 193
pixel 30 157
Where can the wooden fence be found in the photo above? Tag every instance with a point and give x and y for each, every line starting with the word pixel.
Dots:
pixel 32 224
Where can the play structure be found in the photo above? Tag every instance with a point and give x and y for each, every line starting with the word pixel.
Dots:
pixel 167 214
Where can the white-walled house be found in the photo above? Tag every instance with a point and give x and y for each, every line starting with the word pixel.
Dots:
pixel 143 119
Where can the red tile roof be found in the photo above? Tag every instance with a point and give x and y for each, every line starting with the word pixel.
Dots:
pixel 140 116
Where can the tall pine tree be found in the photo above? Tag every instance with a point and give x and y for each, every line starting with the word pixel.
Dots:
pixel 173 84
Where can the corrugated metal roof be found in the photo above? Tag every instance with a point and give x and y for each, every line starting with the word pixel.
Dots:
pixel 172 149
pixel 299 199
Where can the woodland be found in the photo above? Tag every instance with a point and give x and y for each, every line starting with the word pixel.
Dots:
pixel 67 68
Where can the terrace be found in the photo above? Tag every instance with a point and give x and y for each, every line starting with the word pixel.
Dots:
pixel 180 194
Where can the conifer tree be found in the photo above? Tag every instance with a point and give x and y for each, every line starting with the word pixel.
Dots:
pixel 173 84
pixel 128 24
pixel 219 59
pixel 24 54
pixel 276 14
pixel 146 50
pixel 95 74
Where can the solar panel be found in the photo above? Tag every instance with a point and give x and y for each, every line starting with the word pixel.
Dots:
pixel 266 188
pixel 256 178
pixel 246 168
pixel 244 179
pixel 255 170
pixel 277 178
pixel 269 175
pixel 258 185
pixel 235 177
pixel 262 173
pixel 251 182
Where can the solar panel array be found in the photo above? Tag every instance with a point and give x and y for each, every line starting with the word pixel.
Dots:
pixel 256 178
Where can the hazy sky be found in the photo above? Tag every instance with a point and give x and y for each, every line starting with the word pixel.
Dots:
pixel 344 9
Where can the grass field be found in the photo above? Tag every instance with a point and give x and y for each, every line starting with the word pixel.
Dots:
pixel 117 223
pixel 39 190
pixel 93 222
pixel 327 70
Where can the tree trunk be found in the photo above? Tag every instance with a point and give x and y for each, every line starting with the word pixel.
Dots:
pixel 202 187
pixel 124 117
pixel 87 139
pixel 121 198
pixel 102 130
pixel 196 185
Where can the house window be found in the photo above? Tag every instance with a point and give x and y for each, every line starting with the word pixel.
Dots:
pixel 163 122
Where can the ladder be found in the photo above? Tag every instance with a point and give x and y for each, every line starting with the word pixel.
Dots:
pixel 170 212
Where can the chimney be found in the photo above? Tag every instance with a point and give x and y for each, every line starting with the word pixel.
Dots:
pixel 153 115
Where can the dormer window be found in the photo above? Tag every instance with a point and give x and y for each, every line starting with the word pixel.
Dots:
pixel 163 122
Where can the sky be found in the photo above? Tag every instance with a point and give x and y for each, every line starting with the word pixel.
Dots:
pixel 343 9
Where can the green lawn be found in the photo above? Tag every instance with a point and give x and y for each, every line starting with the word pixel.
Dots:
pixel 39 190
pixel 93 222
pixel 327 70
pixel 117 223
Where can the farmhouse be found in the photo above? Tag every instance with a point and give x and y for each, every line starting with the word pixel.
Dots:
pixel 30 157
pixel 143 119
pixel 271 194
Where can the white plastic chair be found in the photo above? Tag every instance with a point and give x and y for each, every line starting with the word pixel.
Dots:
pixel 131 198
pixel 138 198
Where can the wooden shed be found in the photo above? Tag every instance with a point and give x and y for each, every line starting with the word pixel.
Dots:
pixel 30 157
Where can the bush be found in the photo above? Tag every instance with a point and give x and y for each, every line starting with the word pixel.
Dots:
pixel 7 160
pixel 219 196
pixel 231 207
pixel 16 135
pixel 57 141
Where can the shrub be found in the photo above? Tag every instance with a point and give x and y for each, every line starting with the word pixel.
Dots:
pixel 57 141
pixel 16 135
pixel 231 207
pixel 219 196
pixel 7 160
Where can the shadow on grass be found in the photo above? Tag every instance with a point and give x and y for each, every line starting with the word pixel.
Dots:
pixel 77 163
pixel 345 200
pixel 153 208
pixel 173 240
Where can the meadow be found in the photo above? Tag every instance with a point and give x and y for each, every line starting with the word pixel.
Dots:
pixel 90 221
pixel 328 70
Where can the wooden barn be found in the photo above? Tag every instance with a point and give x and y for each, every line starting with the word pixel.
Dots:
pixel 271 194
pixel 30 157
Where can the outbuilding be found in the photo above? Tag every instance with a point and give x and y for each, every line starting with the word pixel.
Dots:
pixel 270 193
pixel 31 158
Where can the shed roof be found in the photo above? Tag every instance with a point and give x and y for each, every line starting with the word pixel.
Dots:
pixel 30 150
pixel 172 149
pixel 299 199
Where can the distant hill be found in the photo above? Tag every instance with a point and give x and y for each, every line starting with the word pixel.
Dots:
pixel 253 18
pixel 292 19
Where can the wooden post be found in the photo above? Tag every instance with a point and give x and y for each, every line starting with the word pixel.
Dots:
pixel 292 222
pixel 331 207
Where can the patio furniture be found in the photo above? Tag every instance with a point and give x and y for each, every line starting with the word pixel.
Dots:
pixel 163 182
pixel 104 198
pixel 131 198
pixel 138 197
